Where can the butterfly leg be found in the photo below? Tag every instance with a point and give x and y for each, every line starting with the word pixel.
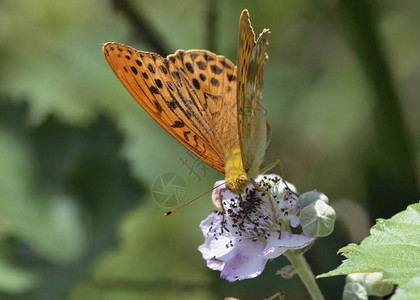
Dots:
pixel 261 190
pixel 271 166
pixel 279 295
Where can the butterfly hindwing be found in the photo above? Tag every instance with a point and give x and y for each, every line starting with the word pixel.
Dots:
pixel 252 126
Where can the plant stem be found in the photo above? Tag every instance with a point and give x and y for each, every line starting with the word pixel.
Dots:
pixel 304 271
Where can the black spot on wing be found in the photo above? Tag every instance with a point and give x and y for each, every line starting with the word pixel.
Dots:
pixel 153 90
pixel 178 124
pixel 195 140
pixel 163 69
pixel 193 56
pixel 231 77
pixel 158 106
pixel 201 65
pixel 225 64
pixel 215 69
pixel 186 133
pixel 181 55
pixel 159 83
pixel 189 67
pixel 151 68
pixel 207 57
pixel 134 70
pixel 196 83
pixel 214 82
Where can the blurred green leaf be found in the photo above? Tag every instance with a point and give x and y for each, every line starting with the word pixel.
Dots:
pixel 157 254
pixel 26 210
pixel 15 280
pixel 62 189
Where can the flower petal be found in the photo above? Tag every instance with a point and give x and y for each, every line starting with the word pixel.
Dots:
pixel 243 267
pixel 216 192
pixel 215 245
pixel 277 246
pixel 250 247
pixel 215 264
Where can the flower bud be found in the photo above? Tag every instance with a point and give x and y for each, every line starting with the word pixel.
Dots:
pixel 317 219
pixel 372 282
pixel 356 277
pixel 308 198
pixel 375 286
pixel 354 291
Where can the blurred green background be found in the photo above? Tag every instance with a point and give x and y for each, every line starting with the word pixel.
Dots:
pixel 78 156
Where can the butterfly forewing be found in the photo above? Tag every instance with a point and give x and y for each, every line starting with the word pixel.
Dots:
pixel 214 79
pixel 184 101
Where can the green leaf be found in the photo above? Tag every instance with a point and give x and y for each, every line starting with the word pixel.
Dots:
pixel 410 290
pixel 392 248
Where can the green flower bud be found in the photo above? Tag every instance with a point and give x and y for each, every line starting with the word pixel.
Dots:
pixel 317 219
pixel 375 286
pixel 356 277
pixel 372 282
pixel 308 198
pixel 354 291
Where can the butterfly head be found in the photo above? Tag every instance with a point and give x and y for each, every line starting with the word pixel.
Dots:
pixel 238 185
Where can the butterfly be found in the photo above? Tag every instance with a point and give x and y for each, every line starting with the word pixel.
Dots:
pixel 209 105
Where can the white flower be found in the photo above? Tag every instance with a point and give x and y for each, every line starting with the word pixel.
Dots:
pixel 239 243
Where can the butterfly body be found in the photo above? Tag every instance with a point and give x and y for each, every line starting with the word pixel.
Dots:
pixel 209 105
pixel 235 174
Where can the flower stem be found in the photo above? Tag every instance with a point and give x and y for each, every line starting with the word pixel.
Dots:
pixel 304 271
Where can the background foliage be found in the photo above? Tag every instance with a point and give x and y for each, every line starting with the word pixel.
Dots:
pixel 78 156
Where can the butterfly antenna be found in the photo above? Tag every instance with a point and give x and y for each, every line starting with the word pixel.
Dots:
pixel 191 201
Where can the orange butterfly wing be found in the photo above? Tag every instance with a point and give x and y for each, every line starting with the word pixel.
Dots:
pixel 184 103
pixel 214 79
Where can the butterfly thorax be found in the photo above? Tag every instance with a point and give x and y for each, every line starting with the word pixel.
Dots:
pixel 235 174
